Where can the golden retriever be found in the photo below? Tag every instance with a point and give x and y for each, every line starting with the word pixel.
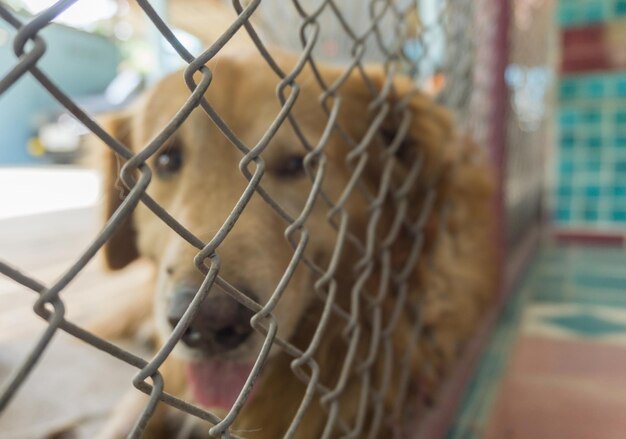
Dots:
pixel 401 228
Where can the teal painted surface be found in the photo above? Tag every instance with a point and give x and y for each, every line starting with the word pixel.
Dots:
pixel 590 189
pixel 587 324
pixel 580 12
pixel 80 64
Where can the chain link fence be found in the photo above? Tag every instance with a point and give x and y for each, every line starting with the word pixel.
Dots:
pixel 372 389
pixel 530 79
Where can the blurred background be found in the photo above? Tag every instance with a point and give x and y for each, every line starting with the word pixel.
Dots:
pixel 540 83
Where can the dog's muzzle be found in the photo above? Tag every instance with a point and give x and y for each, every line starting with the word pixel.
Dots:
pixel 221 324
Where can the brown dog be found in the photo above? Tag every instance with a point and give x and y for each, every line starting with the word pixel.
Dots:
pixel 411 319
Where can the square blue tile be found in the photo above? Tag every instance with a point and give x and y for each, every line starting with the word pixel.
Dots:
pixel 568 117
pixel 566 166
pixel 620 117
pixel 590 215
pixel 594 142
pixel 620 141
pixel 620 167
pixel 565 191
pixel 568 89
pixel 594 12
pixel 594 88
pixel 563 215
pixel 568 140
pixel 593 116
pixel 592 191
pixel 618 191
pixel 620 86
pixel 618 215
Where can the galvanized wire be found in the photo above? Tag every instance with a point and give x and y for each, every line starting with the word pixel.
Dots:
pixel 382 33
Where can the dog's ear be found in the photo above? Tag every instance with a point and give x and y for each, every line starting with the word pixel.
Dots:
pixel 121 248
pixel 419 129
pixel 430 134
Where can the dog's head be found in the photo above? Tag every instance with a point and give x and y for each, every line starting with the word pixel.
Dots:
pixel 196 178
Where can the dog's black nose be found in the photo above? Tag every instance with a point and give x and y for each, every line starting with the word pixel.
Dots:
pixel 221 324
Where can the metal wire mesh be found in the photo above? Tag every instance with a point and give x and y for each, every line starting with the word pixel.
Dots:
pixel 529 79
pixel 369 355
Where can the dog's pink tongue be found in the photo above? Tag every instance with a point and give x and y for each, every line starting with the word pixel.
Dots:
pixel 217 384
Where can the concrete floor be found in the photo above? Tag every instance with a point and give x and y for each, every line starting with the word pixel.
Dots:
pixel 43 242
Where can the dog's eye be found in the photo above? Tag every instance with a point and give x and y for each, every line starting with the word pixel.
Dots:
pixel 169 161
pixel 292 166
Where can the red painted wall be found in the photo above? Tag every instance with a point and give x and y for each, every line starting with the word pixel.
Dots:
pixel 598 47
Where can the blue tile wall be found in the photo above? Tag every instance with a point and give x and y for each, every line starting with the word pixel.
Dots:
pixel 579 12
pixel 590 186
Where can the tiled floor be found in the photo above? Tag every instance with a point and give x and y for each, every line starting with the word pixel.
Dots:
pixel 556 366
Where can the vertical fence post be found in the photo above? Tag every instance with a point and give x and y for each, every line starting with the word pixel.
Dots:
pixel 498 128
